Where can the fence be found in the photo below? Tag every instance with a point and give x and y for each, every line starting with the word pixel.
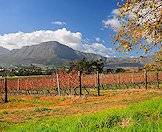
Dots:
pixel 76 83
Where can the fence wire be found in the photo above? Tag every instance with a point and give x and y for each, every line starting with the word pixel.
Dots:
pixel 63 83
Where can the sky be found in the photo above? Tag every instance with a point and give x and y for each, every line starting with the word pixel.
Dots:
pixel 80 24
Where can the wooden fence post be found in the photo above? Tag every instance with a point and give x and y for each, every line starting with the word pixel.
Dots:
pixel 5 90
pixel 98 83
pixel 146 81
pixel 58 84
pixel 18 84
pixel 133 77
pixel 118 75
pixel 157 77
pixel 80 82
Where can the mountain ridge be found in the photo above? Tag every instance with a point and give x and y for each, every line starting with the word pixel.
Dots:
pixel 3 51
pixel 55 53
pixel 45 53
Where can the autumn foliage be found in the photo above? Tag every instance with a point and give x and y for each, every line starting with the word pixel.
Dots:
pixel 141 22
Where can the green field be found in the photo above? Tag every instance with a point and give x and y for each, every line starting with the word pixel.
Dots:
pixel 119 111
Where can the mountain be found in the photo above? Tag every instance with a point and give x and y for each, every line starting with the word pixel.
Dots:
pixel 47 53
pixel 121 63
pixel 56 54
pixel 127 62
pixel 3 51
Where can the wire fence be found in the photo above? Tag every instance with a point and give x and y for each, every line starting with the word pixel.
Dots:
pixel 77 83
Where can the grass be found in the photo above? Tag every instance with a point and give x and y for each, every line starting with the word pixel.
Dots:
pixel 143 117
pixel 129 86
pixel 118 110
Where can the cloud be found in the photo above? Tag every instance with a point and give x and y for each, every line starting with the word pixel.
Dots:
pixel 98 39
pixel 59 23
pixel 115 12
pixel 112 22
pixel 100 49
pixel 64 36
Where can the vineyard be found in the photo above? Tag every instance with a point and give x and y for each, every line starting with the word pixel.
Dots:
pixel 75 83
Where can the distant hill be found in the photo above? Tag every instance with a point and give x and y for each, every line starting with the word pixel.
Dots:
pixel 47 53
pixel 3 51
pixel 127 62
pixel 57 54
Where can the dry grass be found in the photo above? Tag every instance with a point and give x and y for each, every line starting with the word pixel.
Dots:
pixel 23 108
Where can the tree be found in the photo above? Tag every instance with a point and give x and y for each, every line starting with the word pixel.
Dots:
pixel 157 64
pixel 83 65
pixel 158 58
pixel 97 65
pixel 87 66
pixel 141 23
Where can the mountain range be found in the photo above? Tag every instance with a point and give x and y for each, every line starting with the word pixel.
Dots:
pixel 55 53
pixel 3 51
pixel 46 53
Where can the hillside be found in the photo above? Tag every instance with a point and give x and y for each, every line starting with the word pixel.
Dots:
pixel 46 53
pixel 57 54
pixel 3 51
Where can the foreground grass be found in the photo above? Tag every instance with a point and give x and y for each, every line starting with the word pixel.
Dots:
pixel 142 117
pixel 119 110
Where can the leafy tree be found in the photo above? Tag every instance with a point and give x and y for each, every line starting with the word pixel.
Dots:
pixel 119 70
pixel 141 23
pixel 83 65
pixel 157 64
pixel 158 58
pixel 88 66
pixel 97 65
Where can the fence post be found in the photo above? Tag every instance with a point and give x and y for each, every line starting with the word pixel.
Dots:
pixel 58 84
pixel 133 77
pixel 18 84
pixel 98 83
pixel 80 82
pixel 146 81
pixel 118 74
pixel 5 90
pixel 157 77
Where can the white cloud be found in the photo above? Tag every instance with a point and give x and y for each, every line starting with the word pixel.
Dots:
pixel 59 23
pixel 115 12
pixel 64 36
pixel 99 48
pixel 112 22
pixel 98 39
